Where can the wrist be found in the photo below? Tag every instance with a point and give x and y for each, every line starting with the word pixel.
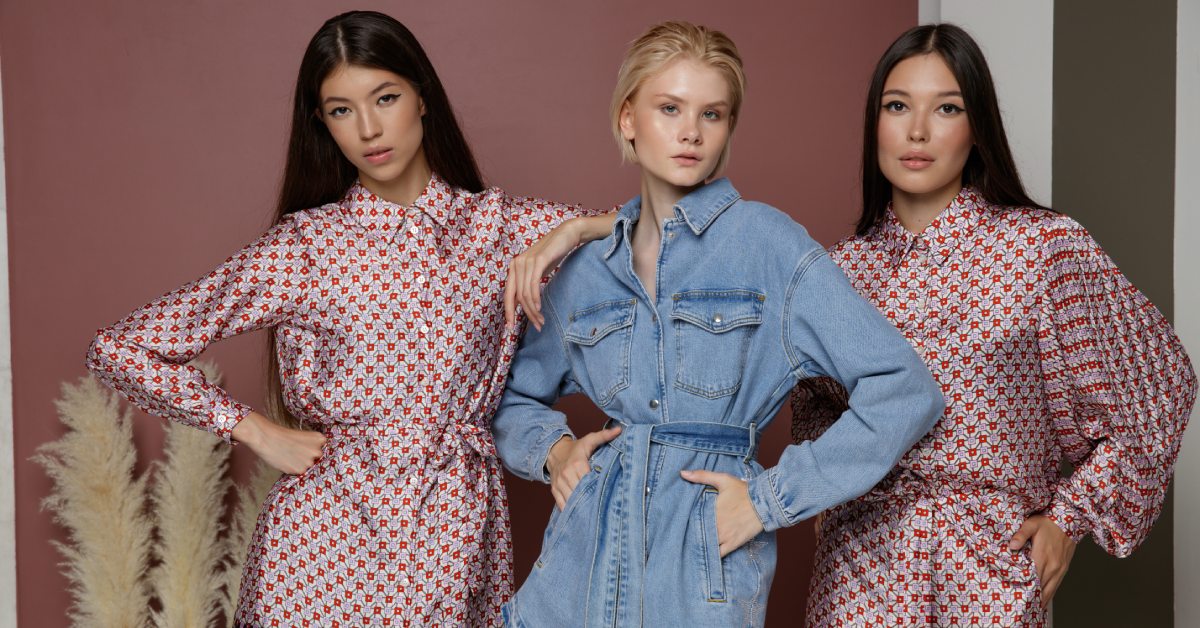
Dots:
pixel 250 431
pixel 558 453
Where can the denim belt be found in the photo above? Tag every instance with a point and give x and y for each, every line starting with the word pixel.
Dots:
pixel 634 446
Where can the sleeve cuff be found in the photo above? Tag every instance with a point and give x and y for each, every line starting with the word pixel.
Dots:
pixel 1068 519
pixel 766 503
pixel 225 416
pixel 535 463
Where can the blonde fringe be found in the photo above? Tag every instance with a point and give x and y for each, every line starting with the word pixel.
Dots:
pixel 189 503
pixel 101 503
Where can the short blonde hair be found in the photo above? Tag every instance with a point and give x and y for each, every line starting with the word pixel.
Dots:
pixel 663 44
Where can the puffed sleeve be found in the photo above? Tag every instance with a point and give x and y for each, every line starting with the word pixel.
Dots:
pixel 1119 388
pixel 144 356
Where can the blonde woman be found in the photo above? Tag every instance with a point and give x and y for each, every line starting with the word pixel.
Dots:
pixel 690 346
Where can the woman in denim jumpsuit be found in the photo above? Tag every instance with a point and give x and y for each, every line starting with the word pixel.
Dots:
pixel 689 334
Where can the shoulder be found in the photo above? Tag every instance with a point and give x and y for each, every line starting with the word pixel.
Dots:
pixel 763 227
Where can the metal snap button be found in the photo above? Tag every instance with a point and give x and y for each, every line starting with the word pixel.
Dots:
pixel 653 404
pixel 717 319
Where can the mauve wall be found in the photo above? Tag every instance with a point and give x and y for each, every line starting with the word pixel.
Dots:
pixel 145 140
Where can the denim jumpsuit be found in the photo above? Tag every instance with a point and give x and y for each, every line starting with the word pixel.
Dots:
pixel 747 304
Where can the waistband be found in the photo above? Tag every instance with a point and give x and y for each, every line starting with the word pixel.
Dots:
pixel 705 436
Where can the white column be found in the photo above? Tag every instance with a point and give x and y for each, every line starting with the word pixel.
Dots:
pixel 1187 304
pixel 1023 73
pixel 8 528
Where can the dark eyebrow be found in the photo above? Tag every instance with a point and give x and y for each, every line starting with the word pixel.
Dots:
pixel 382 86
pixel 900 92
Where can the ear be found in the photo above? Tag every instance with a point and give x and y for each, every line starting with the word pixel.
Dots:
pixel 320 115
pixel 421 106
pixel 626 121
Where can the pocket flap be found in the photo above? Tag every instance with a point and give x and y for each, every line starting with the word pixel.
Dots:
pixel 589 325
pixel 718 310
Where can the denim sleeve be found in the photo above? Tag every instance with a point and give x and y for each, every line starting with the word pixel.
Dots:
pixel 893 400
pixel 525 426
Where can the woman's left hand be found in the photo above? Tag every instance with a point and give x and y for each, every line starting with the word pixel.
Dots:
pixel 1051 551
pixel 525 273
pixel 737 521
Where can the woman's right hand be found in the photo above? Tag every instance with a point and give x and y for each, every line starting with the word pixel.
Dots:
pixel 569 460
pixel 288 450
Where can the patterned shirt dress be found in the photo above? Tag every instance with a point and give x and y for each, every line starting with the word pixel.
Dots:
pixel 390 337
pixel 1045 352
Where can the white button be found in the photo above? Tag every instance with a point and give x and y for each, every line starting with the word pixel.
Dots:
pixel 424 329
pixel 420 279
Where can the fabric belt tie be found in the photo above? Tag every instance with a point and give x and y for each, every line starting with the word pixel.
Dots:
pixel 378 464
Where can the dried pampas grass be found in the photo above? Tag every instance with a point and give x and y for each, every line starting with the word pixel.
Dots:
pixel 198 552
pixel 241 528
pixel 189 505
pixel 101 503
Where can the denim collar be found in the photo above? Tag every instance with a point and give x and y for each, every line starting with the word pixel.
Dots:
pixel 699 209
pixel 377 214
pixel 944 234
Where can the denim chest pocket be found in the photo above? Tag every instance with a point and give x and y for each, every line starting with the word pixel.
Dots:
pixel 713 329
pixel 602 335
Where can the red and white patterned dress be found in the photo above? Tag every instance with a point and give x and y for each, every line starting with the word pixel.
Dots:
pixel 391 340
pixel 1044 352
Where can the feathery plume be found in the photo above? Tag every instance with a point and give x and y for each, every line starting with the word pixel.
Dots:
pixel 189 503
pixel 101 503
pixel 241 528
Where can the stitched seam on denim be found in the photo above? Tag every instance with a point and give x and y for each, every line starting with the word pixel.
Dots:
pixel 701 389
pixel 789 301
pixel 707 505
pixel 722 204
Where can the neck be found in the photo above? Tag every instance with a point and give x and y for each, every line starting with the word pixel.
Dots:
pixel 916 211
pixel 658 201
pixel 405 188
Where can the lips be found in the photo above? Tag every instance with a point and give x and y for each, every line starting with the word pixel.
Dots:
pixel 379 155
pixel 916 160
pixel 686 159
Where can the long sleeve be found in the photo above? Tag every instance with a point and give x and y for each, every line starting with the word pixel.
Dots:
pixel 1119 390
pixel 145 355
pixel 530 219
pixel 893 400
pixel 525 425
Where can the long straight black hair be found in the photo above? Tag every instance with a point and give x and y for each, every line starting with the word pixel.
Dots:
pixel 990 168
pixel 316 172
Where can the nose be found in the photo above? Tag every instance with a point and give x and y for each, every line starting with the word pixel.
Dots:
pixel 369 126
pixel 690 134
pixel 917 131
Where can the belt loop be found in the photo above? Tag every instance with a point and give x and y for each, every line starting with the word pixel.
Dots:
pixel 753 439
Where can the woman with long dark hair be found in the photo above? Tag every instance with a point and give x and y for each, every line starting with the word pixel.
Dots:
pixel 1044 352
pixel 380 282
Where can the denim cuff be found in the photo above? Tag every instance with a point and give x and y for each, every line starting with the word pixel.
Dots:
pixel 766 503
pixel 535 462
